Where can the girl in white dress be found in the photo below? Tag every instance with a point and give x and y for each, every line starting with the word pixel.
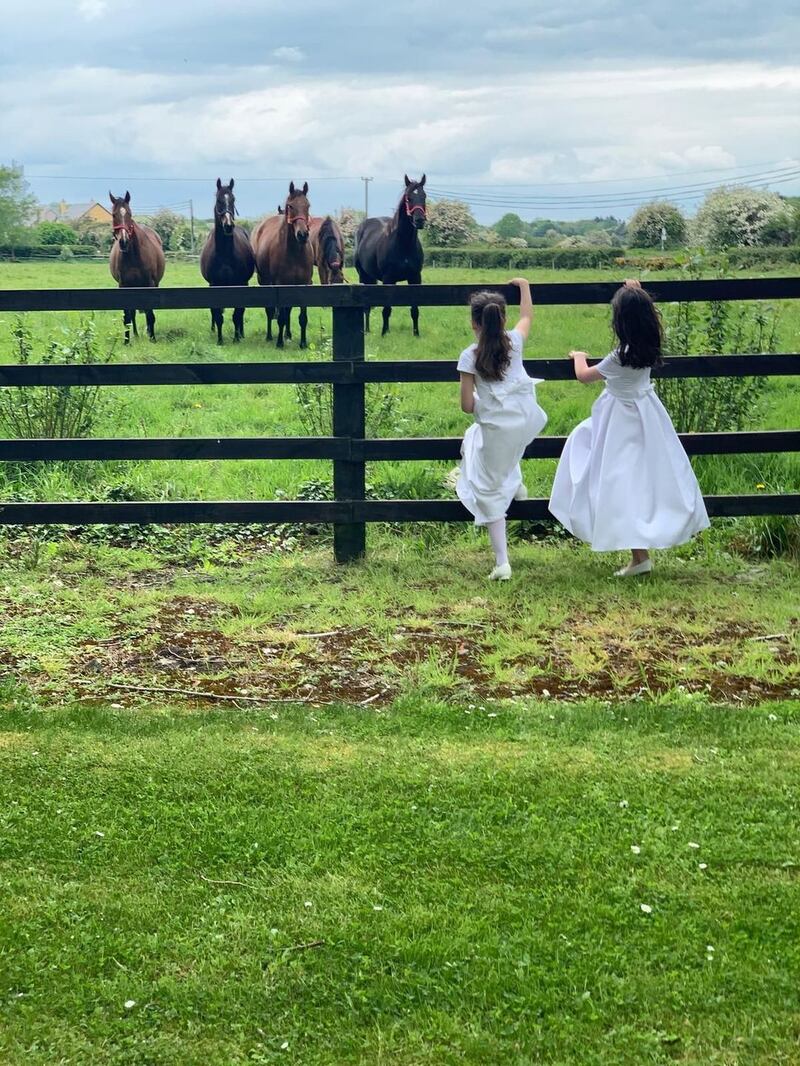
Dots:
pixel 502 398
pixel 624 480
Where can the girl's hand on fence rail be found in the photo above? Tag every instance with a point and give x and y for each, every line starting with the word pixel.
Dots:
pixel 575 354
pixel 525 306
pixel 632 283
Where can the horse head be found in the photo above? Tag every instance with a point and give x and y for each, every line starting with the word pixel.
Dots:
pixel 296 212
pixel 225 207
pixel 331 252
pixel 414 201
pixel 121 219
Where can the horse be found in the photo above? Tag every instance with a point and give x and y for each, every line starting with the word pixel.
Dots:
pixel 227 258
pixel 327 244
pixel 136 259
pixel 389 250
pixel 284 256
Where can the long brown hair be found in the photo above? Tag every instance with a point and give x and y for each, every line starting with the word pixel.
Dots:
pixel 492 357
pixel 636 322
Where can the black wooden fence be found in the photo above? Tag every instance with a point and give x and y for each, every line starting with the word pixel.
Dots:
pixel 349 372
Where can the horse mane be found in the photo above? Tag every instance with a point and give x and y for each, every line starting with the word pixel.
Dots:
pixel 326 229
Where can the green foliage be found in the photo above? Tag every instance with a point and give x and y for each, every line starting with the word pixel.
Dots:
pixel 42 251
pixel 173 229
pixel 644 228
pixel 53 411
pixel 16 204
pixel 450 223
pixel 741 216
pixel 349 219
pixel 716 405
pixel 510 225
pixel 55 233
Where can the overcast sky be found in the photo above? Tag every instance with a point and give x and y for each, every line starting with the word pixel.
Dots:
pixel 590 105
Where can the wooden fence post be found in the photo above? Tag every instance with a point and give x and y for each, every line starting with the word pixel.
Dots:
pixel 349 476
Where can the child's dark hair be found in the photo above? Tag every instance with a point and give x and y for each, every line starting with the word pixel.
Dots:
pixel 637 324
pixel 492 357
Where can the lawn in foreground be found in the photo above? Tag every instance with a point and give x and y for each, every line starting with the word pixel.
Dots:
pixel 419 883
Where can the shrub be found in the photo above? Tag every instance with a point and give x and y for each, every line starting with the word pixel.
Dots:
pixel 742 217
pixel 349 219
pixel 715 405
pixel 56 233
pixel 52 410
pixel 66 253
pixel 644 228
pixel 450 223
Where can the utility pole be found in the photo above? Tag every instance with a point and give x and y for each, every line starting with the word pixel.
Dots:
pixel 191 222
pixel 366 195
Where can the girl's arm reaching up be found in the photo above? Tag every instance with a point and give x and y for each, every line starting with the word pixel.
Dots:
pixel 584 372
pixel 467 393
pixel 523 327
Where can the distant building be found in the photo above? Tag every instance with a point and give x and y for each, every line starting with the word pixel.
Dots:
pixel 64 212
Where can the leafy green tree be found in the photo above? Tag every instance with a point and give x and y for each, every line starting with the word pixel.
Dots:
pixel 510 225
pixel 742 216
pixel 56 233
pixel 16 203
pixel 644 229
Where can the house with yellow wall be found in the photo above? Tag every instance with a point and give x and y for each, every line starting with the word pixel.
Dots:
pixel 64 212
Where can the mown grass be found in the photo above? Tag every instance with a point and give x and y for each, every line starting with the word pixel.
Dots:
pixel 420 884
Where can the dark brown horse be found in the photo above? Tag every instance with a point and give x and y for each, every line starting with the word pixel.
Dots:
pixel 284 257
pixel 389 250
pixel 227 258
pixel 327 244
pixel 136 259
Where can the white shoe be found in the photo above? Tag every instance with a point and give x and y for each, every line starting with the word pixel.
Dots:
pixel 521 493
pixel 501 573
pixel 632 570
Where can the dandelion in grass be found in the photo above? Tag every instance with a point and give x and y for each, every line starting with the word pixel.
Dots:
pixel 693 844
pixel 636 849
pixel 377 907
pixel 285 1045
pixel 623 804
pixel 772 717
pixel 761 486
pixel 702 866
pixel 308 903
pixel 130 1004
pixel 645 908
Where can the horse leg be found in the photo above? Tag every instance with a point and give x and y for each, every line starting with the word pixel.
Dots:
pixel 126 326
pixel 238 324
pixel 387 314
pixel 218 317
pixel 303 317
pixel 288 331
pixel 150 317
pixel 416 280
pixel 283 316
pixel 365 279
pixel 270 312
pixel 133 320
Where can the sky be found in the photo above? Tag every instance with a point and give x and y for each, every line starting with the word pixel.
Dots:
pixel 553 109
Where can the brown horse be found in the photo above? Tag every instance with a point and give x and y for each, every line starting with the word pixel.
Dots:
pixel 227 258
pixel 136 259
pixel 284 257
pixel 327 244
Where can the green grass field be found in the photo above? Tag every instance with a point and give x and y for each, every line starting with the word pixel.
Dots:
pixel 414 410
pixel 434 840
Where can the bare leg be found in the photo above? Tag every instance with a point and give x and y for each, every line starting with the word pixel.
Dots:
pixel 497 537
pixel 639 555
pixel 303 317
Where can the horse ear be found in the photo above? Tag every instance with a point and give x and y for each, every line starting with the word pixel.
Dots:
pixel 127 197
pixel 291 188
pixel 422 179
pixel 111 197
pixel 219 183
pixel 305 187
pixel 407 181
pixel 231 184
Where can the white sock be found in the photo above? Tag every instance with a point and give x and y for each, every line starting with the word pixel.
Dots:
pixel 497 536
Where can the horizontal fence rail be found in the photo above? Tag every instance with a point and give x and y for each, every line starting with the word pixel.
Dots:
pixel 363 296
pixel 348 373
pixel 367 450
pixel 354 372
